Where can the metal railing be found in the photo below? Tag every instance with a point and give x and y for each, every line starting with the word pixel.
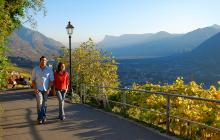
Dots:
pixel 83 95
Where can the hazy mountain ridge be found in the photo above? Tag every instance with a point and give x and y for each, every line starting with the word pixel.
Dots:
pixel 201 64
pixel 29 44
pixel 156 45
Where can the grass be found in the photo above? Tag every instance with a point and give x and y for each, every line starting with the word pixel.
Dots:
pixel 24 72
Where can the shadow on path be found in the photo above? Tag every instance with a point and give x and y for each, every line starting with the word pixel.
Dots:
pixel 33 131
pixel 82 122
pixel 17 95
pixel 88 123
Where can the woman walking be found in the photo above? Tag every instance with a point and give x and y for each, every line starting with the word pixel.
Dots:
pixel 61 83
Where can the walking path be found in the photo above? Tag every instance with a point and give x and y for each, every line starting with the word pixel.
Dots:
pixel 82 123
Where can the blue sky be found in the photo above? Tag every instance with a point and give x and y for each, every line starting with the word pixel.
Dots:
pixel 97 18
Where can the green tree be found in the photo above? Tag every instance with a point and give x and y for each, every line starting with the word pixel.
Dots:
pixel 91 66
pixel 94 67
pixel 12 13
pixel 3 64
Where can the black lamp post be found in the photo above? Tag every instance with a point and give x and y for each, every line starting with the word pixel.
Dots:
pixel 69 29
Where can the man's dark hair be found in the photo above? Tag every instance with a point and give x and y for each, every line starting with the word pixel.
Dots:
pixel 42 57
pixel 59 66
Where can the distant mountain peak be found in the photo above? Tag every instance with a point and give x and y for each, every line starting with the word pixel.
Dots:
pixel 107 36
pixel 30 44
pixel 163 32
pixel 216 26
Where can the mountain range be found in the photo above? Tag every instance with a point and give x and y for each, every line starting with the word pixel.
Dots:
pixel 159 57
pixel 30 45
pixel 156 45
pixel 201 65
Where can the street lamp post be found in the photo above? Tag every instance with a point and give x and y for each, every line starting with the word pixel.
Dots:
pixel 69 29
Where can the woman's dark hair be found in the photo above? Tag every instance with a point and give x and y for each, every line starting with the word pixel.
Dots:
pixel 59 66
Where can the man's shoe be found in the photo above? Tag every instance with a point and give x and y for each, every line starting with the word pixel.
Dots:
pixel 40 121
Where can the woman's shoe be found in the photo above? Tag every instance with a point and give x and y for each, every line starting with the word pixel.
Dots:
pixel 44 120
pixel 63 118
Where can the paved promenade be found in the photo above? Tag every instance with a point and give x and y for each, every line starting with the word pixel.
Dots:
pixel 82 123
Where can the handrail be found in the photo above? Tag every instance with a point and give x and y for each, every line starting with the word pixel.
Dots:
pixel 167 113
pixel 162 93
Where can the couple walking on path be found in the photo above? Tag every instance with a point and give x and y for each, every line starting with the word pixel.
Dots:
pixel 43 79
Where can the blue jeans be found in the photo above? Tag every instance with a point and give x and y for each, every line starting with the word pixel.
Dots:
pixel 61 97
pixel 41 98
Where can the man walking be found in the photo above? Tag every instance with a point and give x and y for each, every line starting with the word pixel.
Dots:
pixel 42 80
